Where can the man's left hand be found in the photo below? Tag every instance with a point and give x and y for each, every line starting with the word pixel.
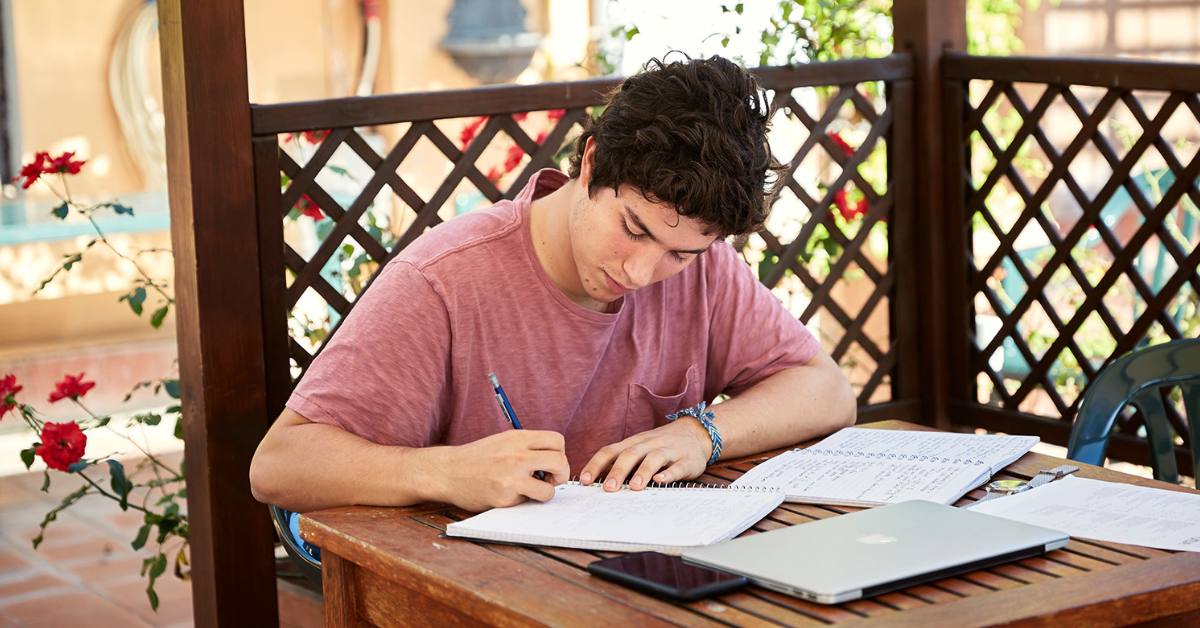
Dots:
pixel 676 451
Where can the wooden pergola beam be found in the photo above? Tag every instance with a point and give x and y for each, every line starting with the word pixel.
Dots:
pixel 926 29
pixel 218 308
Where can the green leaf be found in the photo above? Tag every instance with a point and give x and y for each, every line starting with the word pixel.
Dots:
pixel 339 170
pixel 61 211
pixel 768 263
pixel 629 33
pixel 146 565
pixel 179 428
pixel 71 259
pixel 135 299
pixel 284 180
pixel 121 209
pixel 183 493
pixel 737 8
pixel 725 42
pixel 172 386
pixel 153 597
pixel 120 484
pixel 135 388
pixel 159 314
pixel 158 567
pixel 27 455
pixel 46 482
pixel 348 249
pixel 78 466
pixel 173 409
pixel 142 535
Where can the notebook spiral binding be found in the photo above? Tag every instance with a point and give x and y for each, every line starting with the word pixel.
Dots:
pixel 692 486
pixel 914 457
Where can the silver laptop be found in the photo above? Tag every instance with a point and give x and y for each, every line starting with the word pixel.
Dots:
pixel 876 550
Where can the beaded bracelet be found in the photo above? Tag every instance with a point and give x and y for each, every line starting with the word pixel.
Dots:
pixel 705 417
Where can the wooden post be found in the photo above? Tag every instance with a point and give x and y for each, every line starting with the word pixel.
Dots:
pixel 925 29
pixel 218 310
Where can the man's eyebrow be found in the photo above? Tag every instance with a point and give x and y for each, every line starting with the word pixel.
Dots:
pixel 646 230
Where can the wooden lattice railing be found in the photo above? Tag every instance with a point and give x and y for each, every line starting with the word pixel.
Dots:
pixel 828 251
pixel 1080 204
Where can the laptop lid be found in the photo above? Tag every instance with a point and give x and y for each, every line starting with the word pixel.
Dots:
pixel 876 550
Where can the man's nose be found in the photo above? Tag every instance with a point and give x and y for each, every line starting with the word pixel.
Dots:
pixel 640 267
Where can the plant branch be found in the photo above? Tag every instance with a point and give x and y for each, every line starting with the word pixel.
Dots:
pixel 155 461
pixel 110 495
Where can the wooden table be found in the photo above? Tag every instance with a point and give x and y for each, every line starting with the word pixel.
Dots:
pixel 389 566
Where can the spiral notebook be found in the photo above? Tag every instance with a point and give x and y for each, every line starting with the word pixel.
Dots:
pixel 869 467
pixel 667 519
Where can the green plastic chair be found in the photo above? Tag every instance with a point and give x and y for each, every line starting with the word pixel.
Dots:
pixel 1136 379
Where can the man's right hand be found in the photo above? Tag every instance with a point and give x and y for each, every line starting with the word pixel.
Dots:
pixel 498 470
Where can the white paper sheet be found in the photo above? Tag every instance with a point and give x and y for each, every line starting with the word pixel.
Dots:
pixel 1107 511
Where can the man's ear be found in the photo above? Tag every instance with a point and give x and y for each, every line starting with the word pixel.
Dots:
pixel 587 163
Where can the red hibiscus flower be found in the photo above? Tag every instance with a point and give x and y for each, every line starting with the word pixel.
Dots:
pixel 64 164
pixel 8 388
pixel 314 137
pixel 554 115
pixel 71 387
pixel 469 131
pixel 32 170
pixel 847 208
pixel 309 208
pixel 62 445
pixel 513 158
pixel 843 144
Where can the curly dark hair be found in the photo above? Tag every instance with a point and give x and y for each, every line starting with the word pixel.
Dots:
pixel 692 134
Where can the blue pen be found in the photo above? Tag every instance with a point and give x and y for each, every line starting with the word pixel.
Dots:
pixel 506 408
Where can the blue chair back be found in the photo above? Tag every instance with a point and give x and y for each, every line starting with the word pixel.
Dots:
pixel 1135 379
pixel 306 557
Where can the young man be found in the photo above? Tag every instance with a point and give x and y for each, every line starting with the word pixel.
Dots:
pixel 603 301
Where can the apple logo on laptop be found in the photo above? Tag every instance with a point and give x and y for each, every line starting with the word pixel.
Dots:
pixel 876 538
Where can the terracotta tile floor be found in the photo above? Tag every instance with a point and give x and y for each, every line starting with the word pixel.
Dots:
pixel 86 574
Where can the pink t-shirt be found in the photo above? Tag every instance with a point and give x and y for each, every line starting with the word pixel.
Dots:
pixel 409 365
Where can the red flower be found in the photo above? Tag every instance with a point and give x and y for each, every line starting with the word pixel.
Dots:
pixel 847 208
pixel 314 137
pixel 62 445
pixel 513 158
pixel 520 117
pixel 32 170
pixel 71 386
pixel 845 146
pixel 554 115
pixel 309 208
pixel 542 137
pixel 8 388
pixel 469 131
pixel 494 175
pixel 64 164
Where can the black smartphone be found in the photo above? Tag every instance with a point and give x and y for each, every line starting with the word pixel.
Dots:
pixel 666 576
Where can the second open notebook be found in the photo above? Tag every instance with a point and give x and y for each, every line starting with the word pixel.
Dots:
pixel 663 519
pixel 870 467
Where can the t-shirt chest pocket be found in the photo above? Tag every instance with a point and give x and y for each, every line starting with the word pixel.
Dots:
pixel 647 409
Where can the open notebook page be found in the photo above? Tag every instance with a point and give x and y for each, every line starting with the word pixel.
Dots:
pixel 994 450
pixel 826 478
pixel 590 518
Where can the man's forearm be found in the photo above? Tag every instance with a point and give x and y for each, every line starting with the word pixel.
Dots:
pixel 791 406
pixel 311 466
